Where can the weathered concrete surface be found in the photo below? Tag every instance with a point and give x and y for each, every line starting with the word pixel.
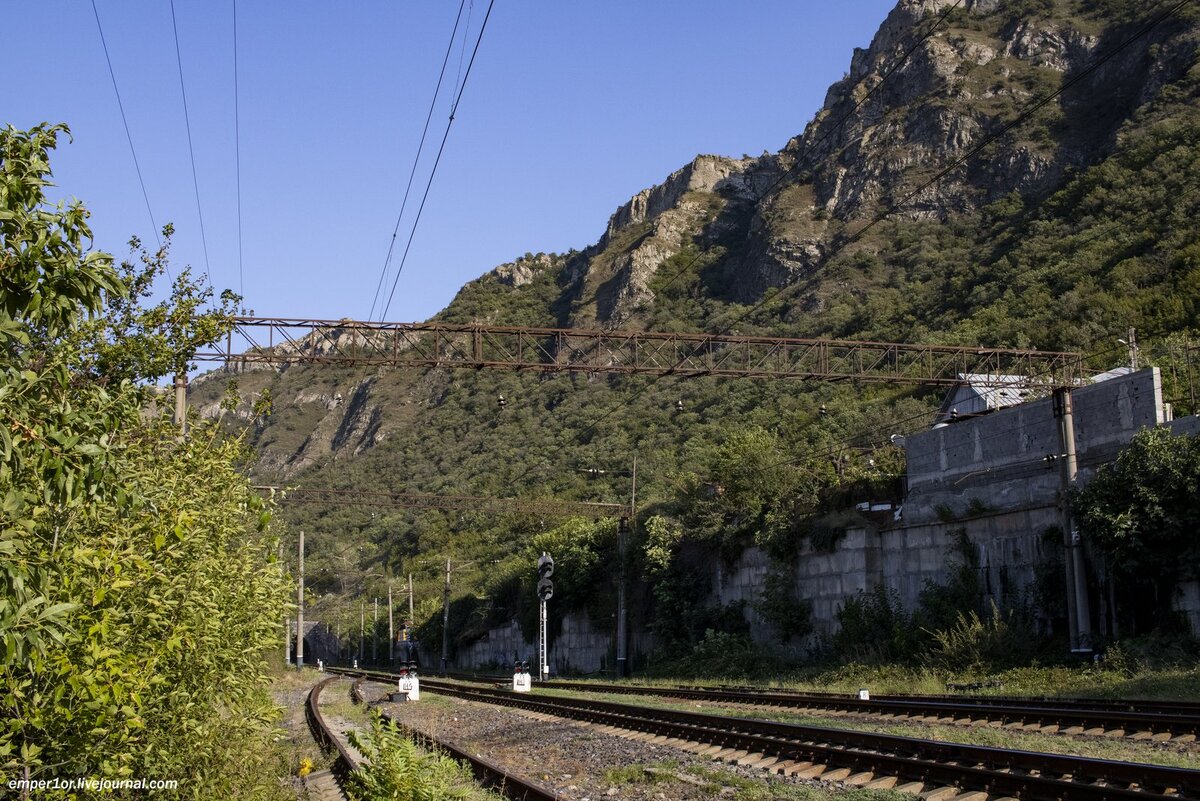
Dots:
pixel 998 462
pixel 577 648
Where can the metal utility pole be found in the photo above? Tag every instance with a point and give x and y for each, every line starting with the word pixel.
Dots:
pixel 1187 356
pixel 543 636
pixel 362 627
pixel 411 619
pixel 299 606
pixel 391 627
pixel 375 635
pixel 446 619
pixel 181 383
pixel 545 591
pixel 622 606
pixel 1079 609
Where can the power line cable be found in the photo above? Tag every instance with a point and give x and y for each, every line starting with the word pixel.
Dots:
pixel 799 158
pixel 848 443
pixel 191 151
pixel 462 51
pixel 128 136
pixel 436 161
pixel 237 138
pixel 416 159
pixel 808 148
pixel 1028 112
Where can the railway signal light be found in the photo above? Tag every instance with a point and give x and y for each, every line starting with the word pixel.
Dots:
pixel 545 569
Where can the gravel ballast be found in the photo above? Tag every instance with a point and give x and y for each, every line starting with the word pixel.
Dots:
pixel 576 760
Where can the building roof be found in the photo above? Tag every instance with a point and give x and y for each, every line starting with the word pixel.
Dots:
pixel 980 393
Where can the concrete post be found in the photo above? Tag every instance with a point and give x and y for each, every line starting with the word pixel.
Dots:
pixel 181 383
pixel 622 606
pixel 446 619
pixel 1078 603
pixel 300 608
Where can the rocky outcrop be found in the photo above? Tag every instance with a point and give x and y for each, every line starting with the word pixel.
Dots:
pixel 522 271
pixel 718 174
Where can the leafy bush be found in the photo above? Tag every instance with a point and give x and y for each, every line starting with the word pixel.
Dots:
pixel 972 642
pixel 873 627
pixel 136 601
pixel 788 615
pixel 397 770
pixel 726 654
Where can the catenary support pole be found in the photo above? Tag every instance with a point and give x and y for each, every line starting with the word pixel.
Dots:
pixel 411 619
pixel 543 635
pixel 181 383
pixel 1078 603
pixel 622 605
pixel 391 649
pixel 300 608
pixel 446 619
pixel 287 620
pixel 362 630
pixel 375 635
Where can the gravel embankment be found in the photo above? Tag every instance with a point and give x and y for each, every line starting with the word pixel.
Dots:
pixel 574 759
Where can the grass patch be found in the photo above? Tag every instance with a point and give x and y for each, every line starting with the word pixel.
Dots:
pixel 654 773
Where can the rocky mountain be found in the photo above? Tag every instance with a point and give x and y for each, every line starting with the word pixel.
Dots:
pixel 1021 173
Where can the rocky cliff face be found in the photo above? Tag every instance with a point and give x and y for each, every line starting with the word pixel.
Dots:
pixel 910 106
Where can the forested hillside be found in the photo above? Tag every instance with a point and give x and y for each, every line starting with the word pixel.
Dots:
pixel 1019 174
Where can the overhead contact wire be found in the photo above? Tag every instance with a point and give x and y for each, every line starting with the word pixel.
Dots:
pixel 416 159
pixel 237 138
pixel 191 150
pixel 441 149
pixel 1021 118
pixel 128 136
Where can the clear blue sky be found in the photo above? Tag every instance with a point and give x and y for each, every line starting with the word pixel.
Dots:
pixel 572 106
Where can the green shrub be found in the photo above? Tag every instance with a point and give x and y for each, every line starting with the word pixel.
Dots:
pixel 397 770
pixel 788 615
pixel 874 628
pixel 973 643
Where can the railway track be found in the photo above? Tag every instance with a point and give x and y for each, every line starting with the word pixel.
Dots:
pixel 864 758
pixel 486 773
pixel 1144 720
pixel 328 786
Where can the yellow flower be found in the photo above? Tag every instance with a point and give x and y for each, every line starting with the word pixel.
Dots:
pixel 306 766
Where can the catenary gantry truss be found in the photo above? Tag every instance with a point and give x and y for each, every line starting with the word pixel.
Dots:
pixel 278 342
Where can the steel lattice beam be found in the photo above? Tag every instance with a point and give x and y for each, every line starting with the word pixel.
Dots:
pixel 280 341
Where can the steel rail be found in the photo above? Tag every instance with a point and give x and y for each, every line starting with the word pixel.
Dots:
pixel 1003 711
pixel 1177 717
pixel 344 763
pixel 1020 774
pixel 486 773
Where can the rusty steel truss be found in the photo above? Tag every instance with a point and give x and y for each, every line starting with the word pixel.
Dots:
pixel 279 342
pixel 405 500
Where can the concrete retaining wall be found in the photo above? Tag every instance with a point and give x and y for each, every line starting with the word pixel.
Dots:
pixel 1009 547
pixel 578 648
pixel 997 462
